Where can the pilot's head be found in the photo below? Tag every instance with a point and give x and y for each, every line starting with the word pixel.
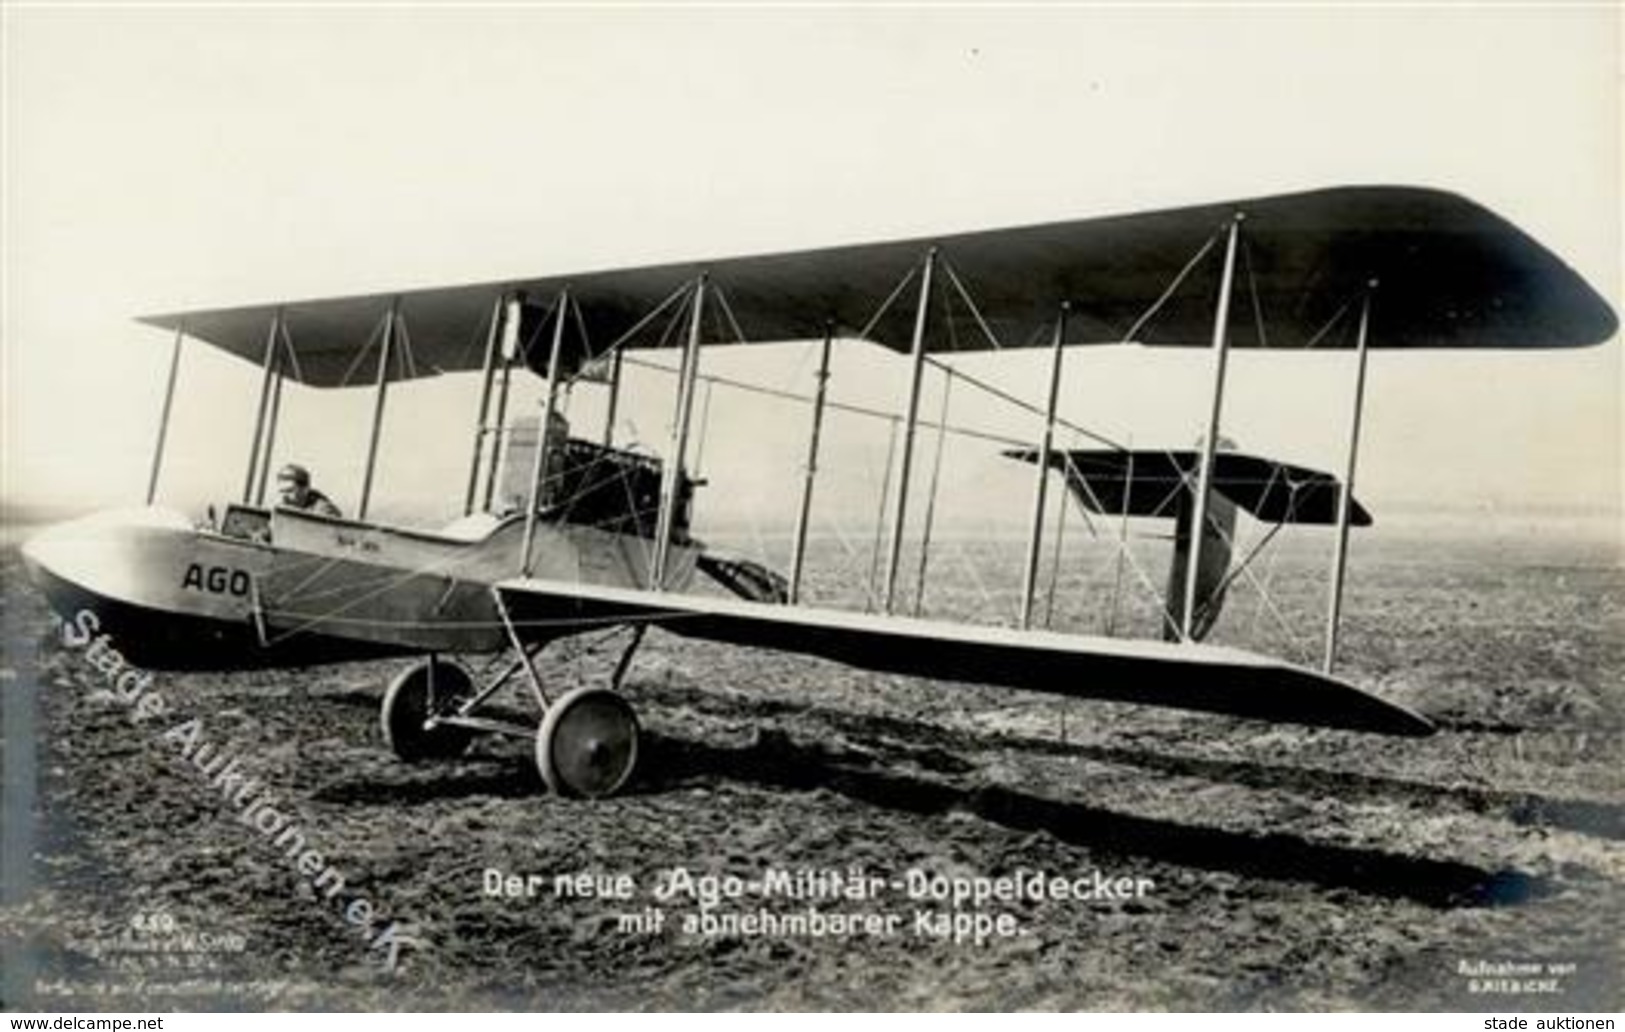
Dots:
pixel 293 484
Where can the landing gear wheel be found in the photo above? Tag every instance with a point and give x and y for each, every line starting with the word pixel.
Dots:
pixel 588 743
pixel 434 686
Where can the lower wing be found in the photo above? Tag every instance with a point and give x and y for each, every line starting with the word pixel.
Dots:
pixel 1208 678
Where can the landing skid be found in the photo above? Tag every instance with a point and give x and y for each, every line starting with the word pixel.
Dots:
pixel 586 740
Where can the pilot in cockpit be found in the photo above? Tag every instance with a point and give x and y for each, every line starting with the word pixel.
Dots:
pixel 293 483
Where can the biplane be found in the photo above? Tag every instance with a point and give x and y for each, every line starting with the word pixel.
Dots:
pixel 586 537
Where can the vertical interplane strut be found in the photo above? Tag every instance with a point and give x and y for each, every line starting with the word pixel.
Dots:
pixel 931 496
pixel 277 377
pixel 1122 544
pixel 698 465
pixel 1221 352
pixel 538 467
pixel 265 397
pixel 509 346
pixel 614 399
pixel 871 593
pixel 671 480
pixel 286 358
pixel 1345 493
pixel 894 550
pixel 798 553
pixel 384 355
pixel 493 335
pixel 1057 551
pixel 1029 579
pixel 163 416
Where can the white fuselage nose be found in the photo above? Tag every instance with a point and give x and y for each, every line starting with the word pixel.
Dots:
pixel 145 559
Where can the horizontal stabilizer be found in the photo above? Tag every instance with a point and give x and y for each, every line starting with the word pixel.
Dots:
pixel 1148 483
pixel 1192 677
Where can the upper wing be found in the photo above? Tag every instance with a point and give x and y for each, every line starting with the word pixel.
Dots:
pixel 1149 483
pixel 1192 677
pixel 1452 275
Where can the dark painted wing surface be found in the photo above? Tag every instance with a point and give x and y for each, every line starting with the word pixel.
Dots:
pixel 1454 275
pixel 1191 677
pixel 1271 491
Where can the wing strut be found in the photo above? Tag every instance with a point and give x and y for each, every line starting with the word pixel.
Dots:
pixel 1345 494
pixel 894 550
pixel 286 360
pixel 163 417
pixel 259 415
pixel 277 378
pixel 931 497
pixel 538 467
pixel 1056 553
pixel 873 592
pixel 1221 351
pixel 513 314
pixel 493 336
pixel 1041 480
pixel 1122 545
pixel 798 554
pixel 385 353
pixel 673 472
pixel 613 402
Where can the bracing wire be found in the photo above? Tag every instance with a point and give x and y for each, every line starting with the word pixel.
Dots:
pixel 897 291
pixel 1168 292
pixel 1252 289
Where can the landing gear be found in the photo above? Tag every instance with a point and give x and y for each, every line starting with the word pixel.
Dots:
pixel 586 743
pixel 414 705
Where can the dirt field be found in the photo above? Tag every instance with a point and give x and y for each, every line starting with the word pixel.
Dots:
pixel 1483 868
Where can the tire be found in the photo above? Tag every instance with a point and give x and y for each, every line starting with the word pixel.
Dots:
pixel 407 705
pixel 588 743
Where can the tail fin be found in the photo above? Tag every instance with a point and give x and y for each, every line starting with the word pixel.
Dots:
pixel 1157 484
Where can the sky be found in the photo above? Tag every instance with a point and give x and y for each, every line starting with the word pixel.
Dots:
pixel 162 158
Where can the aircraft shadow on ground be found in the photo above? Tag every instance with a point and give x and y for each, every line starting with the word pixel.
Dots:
pixel 496 777
pixel 943 750
pixel 775 761
pixel 934 743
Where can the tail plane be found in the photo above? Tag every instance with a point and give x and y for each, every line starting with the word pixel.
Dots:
pixel 1162 485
